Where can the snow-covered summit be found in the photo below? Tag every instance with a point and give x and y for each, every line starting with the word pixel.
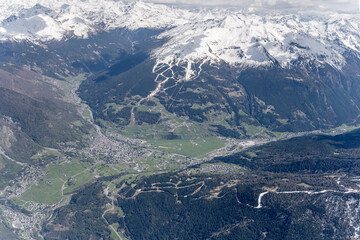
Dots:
pixel 48 20
pixel 241 38
pixel 207 35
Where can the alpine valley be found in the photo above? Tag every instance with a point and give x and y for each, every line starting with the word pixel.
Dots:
pixel 134 120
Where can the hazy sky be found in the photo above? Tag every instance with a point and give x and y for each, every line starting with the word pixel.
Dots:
pixel 314 5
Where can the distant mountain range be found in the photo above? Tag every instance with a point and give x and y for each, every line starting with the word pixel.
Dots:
pixel 271 73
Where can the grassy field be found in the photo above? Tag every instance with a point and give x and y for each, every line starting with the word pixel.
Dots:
pixel 8 171
pixel 105 170
pixel 113 234
pixel 79 180
pixel 346 128
pixel 48 189
pixel 70 175
pixel 160 163
pixel 145 131
pixel 46 153
pixel 190 139
pixel 192 148
pixel 252 130
pixel 196 140
pixel 45 191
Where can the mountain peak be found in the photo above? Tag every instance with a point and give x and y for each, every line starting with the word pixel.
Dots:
pixel 215 35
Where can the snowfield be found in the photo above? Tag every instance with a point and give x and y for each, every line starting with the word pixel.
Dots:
pixel 213 35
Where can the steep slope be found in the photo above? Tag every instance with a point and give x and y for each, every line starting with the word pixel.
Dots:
pixel 34 115
pixel 246 69
pixel 202 64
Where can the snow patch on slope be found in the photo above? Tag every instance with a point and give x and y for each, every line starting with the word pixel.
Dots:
pixel 248 39
pixel 194 35
pixel 26 19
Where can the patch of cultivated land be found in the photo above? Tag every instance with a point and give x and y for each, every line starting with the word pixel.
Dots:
pixel 49 189
pixel 199 147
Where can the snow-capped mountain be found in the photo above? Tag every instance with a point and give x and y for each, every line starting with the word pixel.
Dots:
pixel 48 20
pixel 249 39
pixel 281 71
pixel 233 36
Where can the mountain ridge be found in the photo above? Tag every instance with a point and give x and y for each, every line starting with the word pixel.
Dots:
pixel 234 36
